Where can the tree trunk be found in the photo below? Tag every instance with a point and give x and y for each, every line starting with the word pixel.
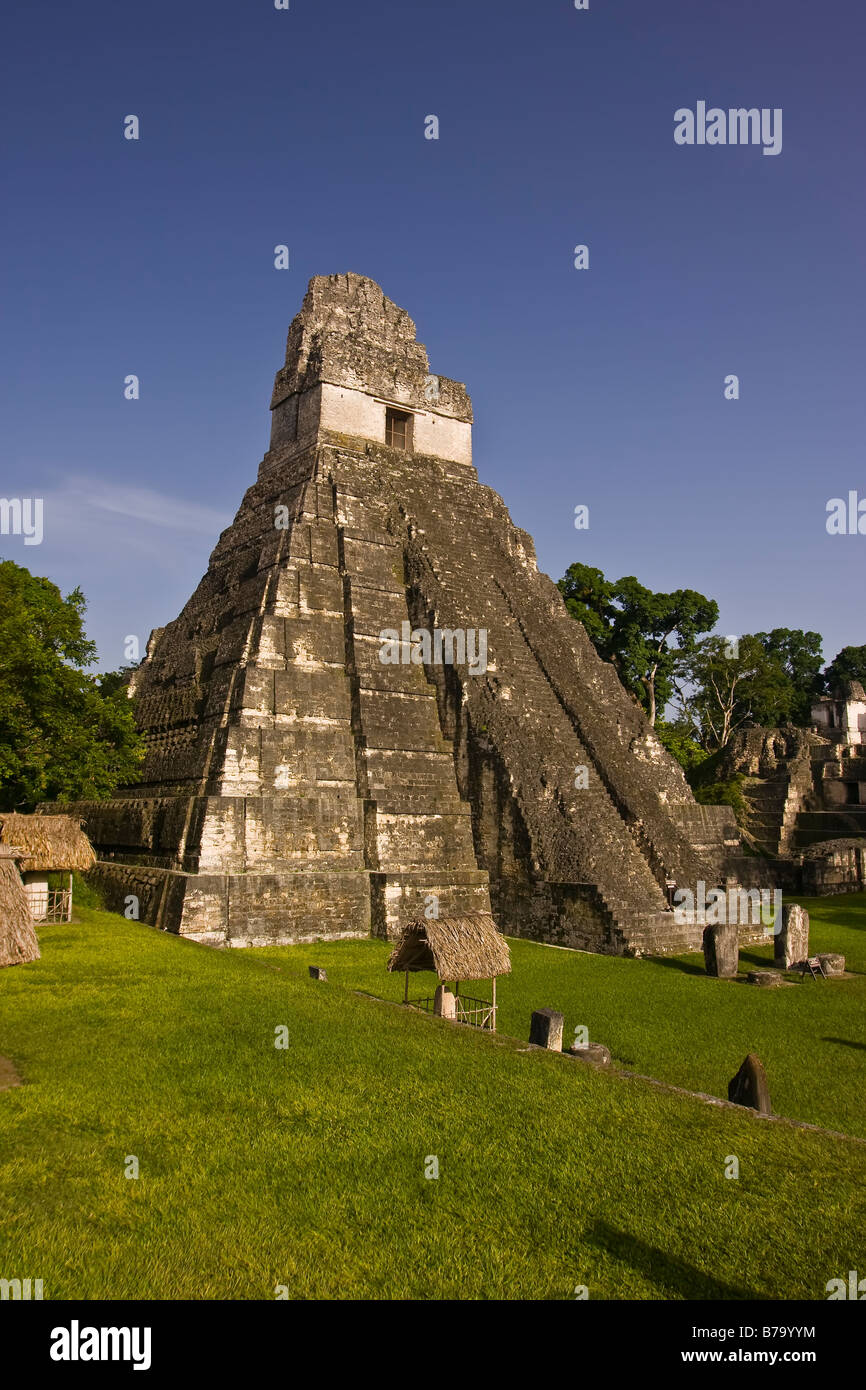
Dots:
pixel 651 690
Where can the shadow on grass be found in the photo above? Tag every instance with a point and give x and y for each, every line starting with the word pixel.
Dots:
pixel 754 958
pixel 838 909
pixel 660 1268
pixel 685 967
pixel 846 1042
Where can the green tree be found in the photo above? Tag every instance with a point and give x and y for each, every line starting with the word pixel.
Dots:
pixel 644 628
pixel 64 734
pixel 589 598
pixel 848 665
pixel 112 683
pixel 647 635
pixel 798 654
pixel 678 737
pixel 728 682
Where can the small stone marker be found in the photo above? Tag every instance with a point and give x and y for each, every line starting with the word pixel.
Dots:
pixel 833 964
pixel 317 973
pixel 721 944
pixel 749 1086
pixel 769 979
pixel 444 1003
pixel 596 1053
pixel 545 1030
pixel 792 943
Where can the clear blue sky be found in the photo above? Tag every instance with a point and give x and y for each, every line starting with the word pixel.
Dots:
pixel 602 387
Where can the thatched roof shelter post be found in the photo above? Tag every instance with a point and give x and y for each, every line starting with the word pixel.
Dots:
pixel 463 947
pixel 47 843
pixel 44 844
pixel 18 943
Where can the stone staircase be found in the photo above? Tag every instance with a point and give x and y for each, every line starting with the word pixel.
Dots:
pixel 774 802
pixel 787 812
pixel 518 723
pixel 768 818
pixel 812 827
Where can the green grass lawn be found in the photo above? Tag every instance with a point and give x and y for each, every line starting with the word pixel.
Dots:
pixel 666 1018
pixel 305 1167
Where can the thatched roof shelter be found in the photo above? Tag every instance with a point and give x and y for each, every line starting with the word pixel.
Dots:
pixel 46 843
pixel 465 947
pixel 18 943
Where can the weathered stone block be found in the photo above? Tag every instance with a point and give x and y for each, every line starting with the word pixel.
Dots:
pixel 319 638
pixel 321 590
pixel 765 979
pixel 375 610
pixel 303 694
pixel 595 1053
pixel 749 1086
pixel 258 691
pixel 444 1003
pixel 317 973
pixel 721 944
pixel 324 549
pixel 272 642
pixel 399 898
pixel 545 1030
pixel 373 565
pixel 833 963
pixel 791 945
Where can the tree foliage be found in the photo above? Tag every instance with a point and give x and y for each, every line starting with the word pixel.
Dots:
pixel 678 737
pixel 731 684
pixel 648 636
pixel 666 653
pixel 848 665
pixel 64 734
pixel 589 598
pixel 798 655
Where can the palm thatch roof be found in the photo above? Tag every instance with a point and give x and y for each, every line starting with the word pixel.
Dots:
pixel 46 842
pixel 18 943
pixel 464 947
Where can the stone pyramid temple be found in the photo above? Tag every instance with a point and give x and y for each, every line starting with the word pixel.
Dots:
pixel 374 706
